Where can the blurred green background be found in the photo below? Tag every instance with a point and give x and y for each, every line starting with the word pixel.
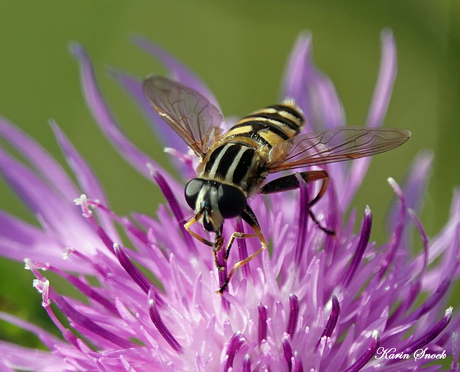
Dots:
pixel 239 49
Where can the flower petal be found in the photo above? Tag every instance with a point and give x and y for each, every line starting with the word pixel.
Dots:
pixel 56 211
pixel 86 178
pixel 159 324
pixel 48 167
pixel 26 359
pixel 162 130
pixel 362 245
pixel 178 71
pixel 106 119
pixel 47 338
pixel 19 240
pixel 377 111
pixel 385 81
pixel 311 89
pixel 365 357
pixel 414 189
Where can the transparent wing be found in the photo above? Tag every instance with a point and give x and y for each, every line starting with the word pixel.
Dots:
pixel 333 145
pixel 189 113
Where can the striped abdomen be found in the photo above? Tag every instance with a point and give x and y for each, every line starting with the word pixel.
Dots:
pixel 239 157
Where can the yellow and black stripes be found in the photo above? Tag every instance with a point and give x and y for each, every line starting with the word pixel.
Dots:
pixel 231 163
pixel 239 157
pixel 269 126
pixel 284 115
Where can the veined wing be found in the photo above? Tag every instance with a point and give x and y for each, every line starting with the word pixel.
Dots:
pixel 188 113
pixel 334 145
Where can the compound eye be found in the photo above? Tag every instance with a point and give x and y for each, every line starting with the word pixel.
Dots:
pixel 231 201
pixel 192 188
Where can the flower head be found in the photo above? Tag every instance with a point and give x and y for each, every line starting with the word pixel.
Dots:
pixel 310 302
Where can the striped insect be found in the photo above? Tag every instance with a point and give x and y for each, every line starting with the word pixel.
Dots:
pixel 234 165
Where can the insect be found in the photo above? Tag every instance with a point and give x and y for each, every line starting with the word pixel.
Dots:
pixel 234 165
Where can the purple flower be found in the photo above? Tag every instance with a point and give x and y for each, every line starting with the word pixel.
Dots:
pixel 312 302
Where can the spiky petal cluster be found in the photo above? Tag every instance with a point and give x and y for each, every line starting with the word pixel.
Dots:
pixel 314 303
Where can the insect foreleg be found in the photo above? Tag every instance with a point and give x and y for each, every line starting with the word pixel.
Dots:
pixel 291 182
pixel 195 235
pixel 249 217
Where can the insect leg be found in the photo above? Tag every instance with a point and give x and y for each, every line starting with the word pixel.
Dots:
pixel 291 182
pixel 195 235
pixel 248 216
pixel 217 246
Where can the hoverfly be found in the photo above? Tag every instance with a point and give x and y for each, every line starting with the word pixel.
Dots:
pixel 234 165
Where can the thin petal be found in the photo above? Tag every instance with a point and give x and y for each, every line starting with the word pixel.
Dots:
pixel 19 240
pixel 47 338
pixel 385 81
pixel 414 188
pixel 86 178
pixel 362 245
pixel 455 353
pixel 178 71
pixel 138 276
pixel 233 347
pixel 397 233
pixel 311 89
pixel 27 359
pixel 134 87
pixel 432 333
pixel 242 249
pixel 246 364
pixel 53 208
pixel 293 315
pixel 367 355
pixel 262 311
pixel 175 208
pixel 87 290
pixel 302 220
pixel 43 162
pixel 298 365
pixel 86 323
pixel 159 324
pixel 333 317
pixel 106 119
pixel 377 111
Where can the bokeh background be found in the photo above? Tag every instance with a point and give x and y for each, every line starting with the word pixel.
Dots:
pixel 239 49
